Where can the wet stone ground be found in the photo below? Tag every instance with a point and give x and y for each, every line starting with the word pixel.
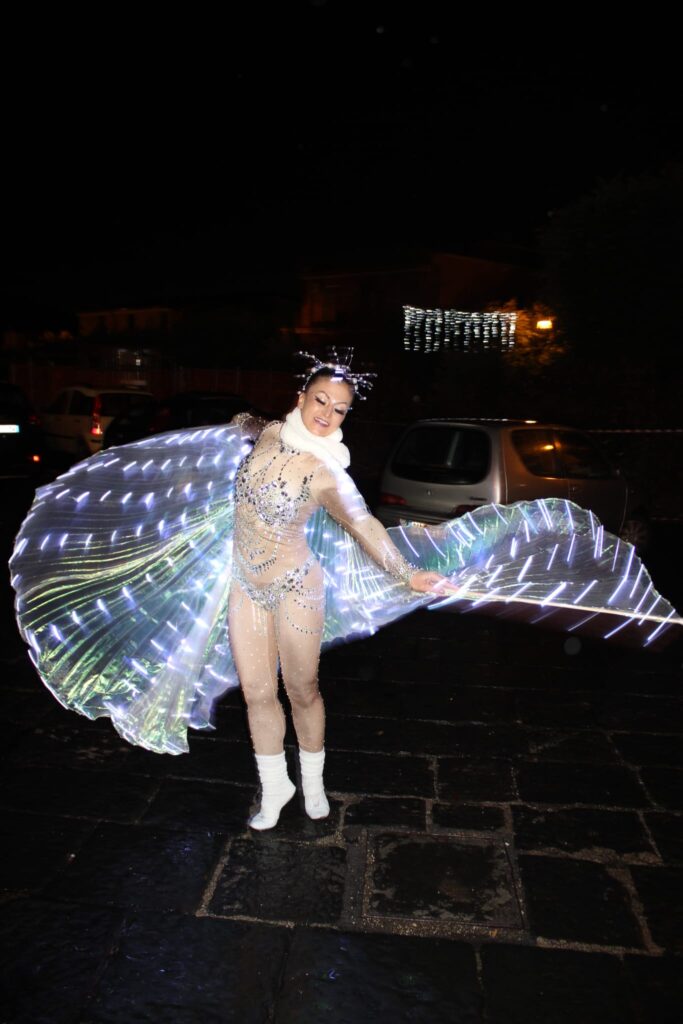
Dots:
pixel 505 845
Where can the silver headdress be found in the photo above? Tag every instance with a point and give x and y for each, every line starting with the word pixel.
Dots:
pixel 339 363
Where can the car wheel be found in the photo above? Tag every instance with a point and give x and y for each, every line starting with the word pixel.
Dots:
pixel 637 531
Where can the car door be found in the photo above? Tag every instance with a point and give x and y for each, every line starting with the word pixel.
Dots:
pixel 593 483
pixel 532 467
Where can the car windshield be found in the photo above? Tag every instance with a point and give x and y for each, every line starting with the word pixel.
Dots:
pixel 443 454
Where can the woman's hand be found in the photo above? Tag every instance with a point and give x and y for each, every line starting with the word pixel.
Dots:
pixel 431 583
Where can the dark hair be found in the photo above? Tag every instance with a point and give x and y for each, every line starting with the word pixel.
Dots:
pixel 328 373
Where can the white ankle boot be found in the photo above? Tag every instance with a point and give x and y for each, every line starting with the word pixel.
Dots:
pixel 277 789
pixel 312 782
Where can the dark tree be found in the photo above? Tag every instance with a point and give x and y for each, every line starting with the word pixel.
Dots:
pixel 613 274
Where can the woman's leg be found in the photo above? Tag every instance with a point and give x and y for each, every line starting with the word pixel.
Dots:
pixel 252 640
pixel 299 622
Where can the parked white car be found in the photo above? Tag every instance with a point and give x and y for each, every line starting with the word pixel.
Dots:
pixel 75 422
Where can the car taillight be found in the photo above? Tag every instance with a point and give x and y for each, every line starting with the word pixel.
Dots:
pixel 95 421
pixel 391 499
pixel 461 510
pixel 35 457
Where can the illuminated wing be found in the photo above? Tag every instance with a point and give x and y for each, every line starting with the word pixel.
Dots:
pixel 122 570
pixel 546 561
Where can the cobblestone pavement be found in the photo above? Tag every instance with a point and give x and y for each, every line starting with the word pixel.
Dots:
pixel 505 845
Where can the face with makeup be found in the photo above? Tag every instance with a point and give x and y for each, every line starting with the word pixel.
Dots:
pixel 324 404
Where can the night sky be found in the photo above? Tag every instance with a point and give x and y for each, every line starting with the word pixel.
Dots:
pixel 163 154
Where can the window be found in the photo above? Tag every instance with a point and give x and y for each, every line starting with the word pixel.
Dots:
pixel 444 455
pixel 580 459
pixel 81 405
pixel 537 450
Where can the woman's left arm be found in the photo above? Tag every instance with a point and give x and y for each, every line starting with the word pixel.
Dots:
pixel 338 495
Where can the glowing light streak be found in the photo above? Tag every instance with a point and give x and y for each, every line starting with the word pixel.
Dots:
pixel 646 592
pixel 582 622
pixel 616 553
pixel 146 465
pixel 474 523
pixel 56 634
pixel 637 581
pixel 552 557
pixel 434 544
pixel 544 511
pixel 105 495
pixel 660 627
pixel 568 510
pixel 405 537
pixel 45 540
pixel 577 600
pixel 82 497
pixel 524 568
pixel 597 549
pixel 650 610
pixel 568 559
pixel 513 547
pixel 624 578
pixel 126 497
pixel 129 466
pixel 617 629
pixel 63 540
pixel 553 595
pixel 486 598
pixel 61 494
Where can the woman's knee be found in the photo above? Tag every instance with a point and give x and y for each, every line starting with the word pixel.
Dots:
pixel 304 697
pixel 260 697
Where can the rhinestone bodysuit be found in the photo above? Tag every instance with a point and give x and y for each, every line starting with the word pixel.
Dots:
pixel 277 488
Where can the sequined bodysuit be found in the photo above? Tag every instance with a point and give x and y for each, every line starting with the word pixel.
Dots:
pixel 276 490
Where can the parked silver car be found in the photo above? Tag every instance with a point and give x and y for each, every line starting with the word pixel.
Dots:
pixel 443 468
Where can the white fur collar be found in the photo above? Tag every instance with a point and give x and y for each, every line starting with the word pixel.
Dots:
pixel 329 449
